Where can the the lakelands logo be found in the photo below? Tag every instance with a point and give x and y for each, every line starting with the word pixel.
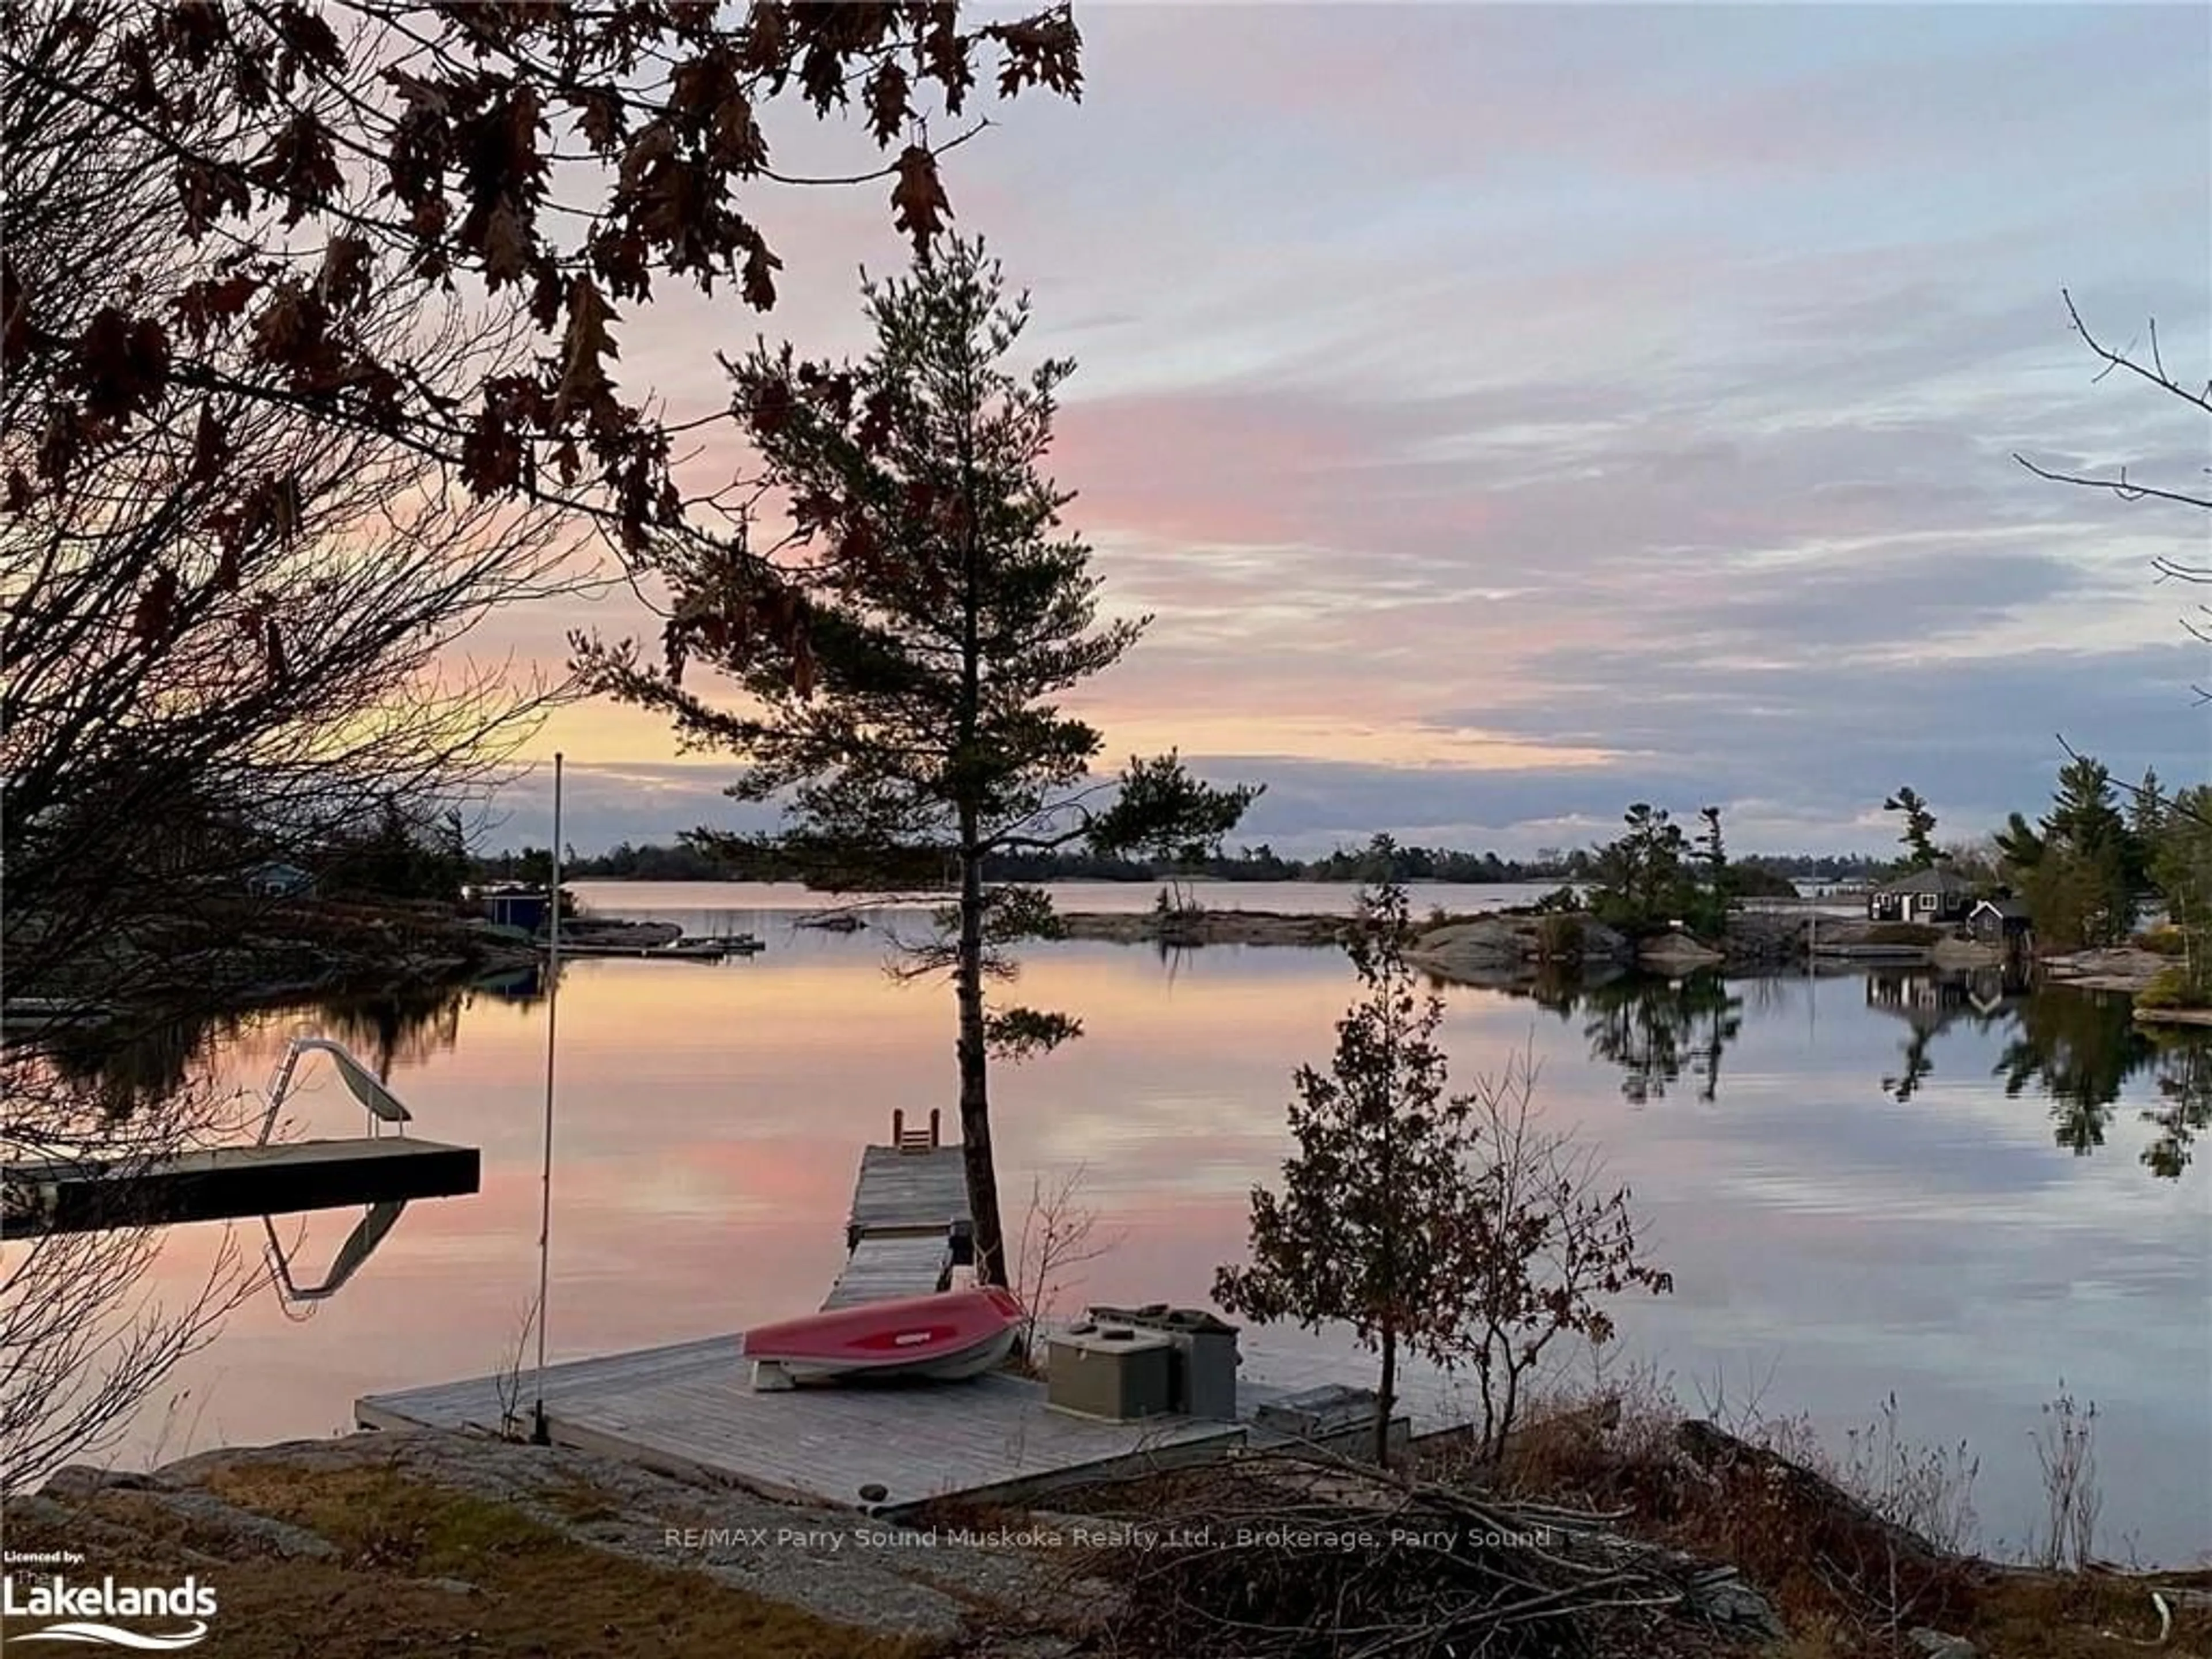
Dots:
pixel 84 1613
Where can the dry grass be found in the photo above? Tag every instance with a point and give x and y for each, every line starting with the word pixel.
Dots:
pixel 534 1593
pixel 1838 1545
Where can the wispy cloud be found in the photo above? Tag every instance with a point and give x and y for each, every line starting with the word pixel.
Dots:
pixel 1509 411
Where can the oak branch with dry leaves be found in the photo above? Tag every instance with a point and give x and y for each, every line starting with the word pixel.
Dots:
pixel 560 163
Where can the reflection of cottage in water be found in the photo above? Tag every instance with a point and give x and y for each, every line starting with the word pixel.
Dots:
pixel 1930 1001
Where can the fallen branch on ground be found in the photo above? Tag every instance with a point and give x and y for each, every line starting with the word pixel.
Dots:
pixel 1282 1557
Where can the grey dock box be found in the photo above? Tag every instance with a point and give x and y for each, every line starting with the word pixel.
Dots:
pixel 1203 1381
pixel 1115 1372
pixel 1333 1415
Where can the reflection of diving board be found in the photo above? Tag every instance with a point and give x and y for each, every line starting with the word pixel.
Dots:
pixel 361 1245
pixel 910 1224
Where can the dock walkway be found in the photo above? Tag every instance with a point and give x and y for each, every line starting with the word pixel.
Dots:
pixel 910 1225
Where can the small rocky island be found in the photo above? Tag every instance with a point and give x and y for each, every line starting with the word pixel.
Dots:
pixel 1506 946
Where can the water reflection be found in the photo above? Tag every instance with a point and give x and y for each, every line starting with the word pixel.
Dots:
pixel 403 1023
pixel 2185 1108
pixel 301 1301
pixel 1655 1029
pixel 1931 1003
pixel 708 1123
pixel 2078 1050
pixel 137 1064
pixel 124 1069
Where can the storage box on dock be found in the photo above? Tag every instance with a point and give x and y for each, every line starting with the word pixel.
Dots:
pixel 1115 1372
pixel 1203 1375
pixel 1334 1416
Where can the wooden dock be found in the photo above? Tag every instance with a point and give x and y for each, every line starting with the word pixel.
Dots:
pixel 910 1225
pixel 225 1182
pixel 885 1267
pixel 690 1410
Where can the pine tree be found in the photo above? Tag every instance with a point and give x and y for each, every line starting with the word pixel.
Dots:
pixel 2081 890
pixel 1919 834
pixel 913 722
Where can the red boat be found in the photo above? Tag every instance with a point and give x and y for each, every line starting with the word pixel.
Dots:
pixel 949 1335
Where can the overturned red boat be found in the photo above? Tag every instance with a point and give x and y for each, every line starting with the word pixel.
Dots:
pixel 941 1338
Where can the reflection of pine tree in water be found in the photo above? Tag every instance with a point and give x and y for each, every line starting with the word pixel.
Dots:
pixel 136 1065
pixel 2185 1087
pixel 2080 1049
pixel 1931 1003
pixel 1918 1068
pixel 406 1022
pixel 142 1065
pixel 1655 1029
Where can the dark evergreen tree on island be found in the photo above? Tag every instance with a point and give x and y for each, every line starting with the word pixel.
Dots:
pixel 910 723
pixel 1919 836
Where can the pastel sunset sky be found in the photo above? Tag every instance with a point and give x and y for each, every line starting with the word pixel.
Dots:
pixel 1512 413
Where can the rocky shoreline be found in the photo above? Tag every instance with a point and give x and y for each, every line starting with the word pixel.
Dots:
pixel 2125 968
pixel 1511 945
pixel 424 1541
pixel 1482 946
pixel 1186 927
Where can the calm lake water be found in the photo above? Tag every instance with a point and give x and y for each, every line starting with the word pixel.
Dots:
pixel 1902 1182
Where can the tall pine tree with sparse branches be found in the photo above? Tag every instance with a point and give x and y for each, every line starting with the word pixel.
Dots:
pixel 912 722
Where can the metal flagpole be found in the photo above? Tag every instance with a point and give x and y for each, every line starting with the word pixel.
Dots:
pixel 539 1431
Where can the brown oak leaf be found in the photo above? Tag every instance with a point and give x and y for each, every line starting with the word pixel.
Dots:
pixel 919 196
pixel 761 266
pixel 889 110
pixel 738 144
pixel 506 247
pixel 301 164
pixel 584 347
pixel 156 612
pixel 211 447
pixel 122 364
pixel 345 275
pixel 599 113
pixel 203 304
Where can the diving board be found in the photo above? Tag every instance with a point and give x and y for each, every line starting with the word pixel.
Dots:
pixel 221 1183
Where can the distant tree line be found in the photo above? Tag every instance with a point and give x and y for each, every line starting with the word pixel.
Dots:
pixel 685 862
pixel 1754 873
pixel 651 862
